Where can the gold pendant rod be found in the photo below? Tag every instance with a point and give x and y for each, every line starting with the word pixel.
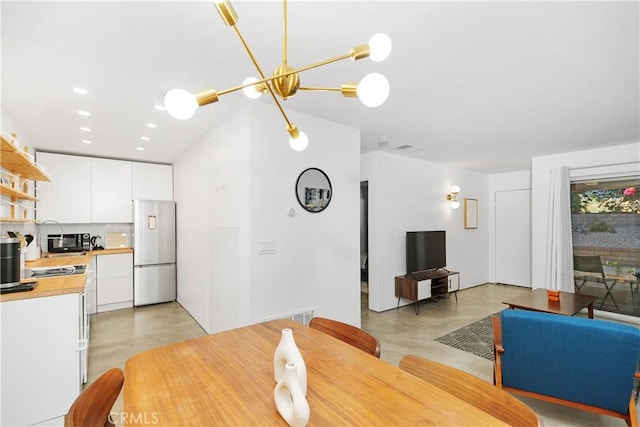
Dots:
pixel 253 59
pixel 284 32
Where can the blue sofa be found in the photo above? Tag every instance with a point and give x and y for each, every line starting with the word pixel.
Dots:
pixel 584 363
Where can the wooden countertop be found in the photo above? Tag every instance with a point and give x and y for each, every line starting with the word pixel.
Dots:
pixel 113 251
pixel 52 286
pixel 62 284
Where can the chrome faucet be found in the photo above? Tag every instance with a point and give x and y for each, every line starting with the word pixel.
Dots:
pixel 61 233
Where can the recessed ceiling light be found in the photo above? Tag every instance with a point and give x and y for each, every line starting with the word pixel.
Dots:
pixel 84 113
pixel 86 141
pixel 152 125
pixel 160 107
pixel 83 129
pixel 140 148
pixel 144 138
pixel 80 91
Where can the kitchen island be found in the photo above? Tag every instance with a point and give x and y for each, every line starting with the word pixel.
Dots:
pixel 45 337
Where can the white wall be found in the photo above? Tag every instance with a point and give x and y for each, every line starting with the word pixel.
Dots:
pixel 622 160
pixel 511 181
pixel 409 194
pixel 207 212
pixel 234 189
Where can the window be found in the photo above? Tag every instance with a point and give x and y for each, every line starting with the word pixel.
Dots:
pixel 605 219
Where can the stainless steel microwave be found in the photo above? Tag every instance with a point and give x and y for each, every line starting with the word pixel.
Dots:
pixel 69 243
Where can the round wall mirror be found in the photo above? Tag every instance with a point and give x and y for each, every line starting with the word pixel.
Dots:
pixel 313 190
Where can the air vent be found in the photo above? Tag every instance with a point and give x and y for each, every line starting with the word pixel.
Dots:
pixel 407 147
pixel 302 316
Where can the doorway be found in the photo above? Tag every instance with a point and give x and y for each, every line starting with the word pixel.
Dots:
pixel 364 244
pixel 513 237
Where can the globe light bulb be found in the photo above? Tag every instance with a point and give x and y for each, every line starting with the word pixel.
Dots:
pixel 379 47
pixel 455 189
pixel 455 205
pixel 180 104
pixel 299 143
pixel 251 92
pixel 373 90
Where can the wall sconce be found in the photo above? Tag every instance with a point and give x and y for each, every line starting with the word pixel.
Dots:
pixel 453 197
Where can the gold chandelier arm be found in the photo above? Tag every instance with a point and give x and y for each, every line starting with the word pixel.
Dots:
pixel 227 12
pixel 348 90
pixel 320 89
pixel 320 64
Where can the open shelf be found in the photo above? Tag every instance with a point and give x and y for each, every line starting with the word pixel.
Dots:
pixel 5 190
pixel 23 169
pixel 19 163
pixel 17 220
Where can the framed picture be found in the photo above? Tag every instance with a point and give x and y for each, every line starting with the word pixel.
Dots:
pixel 470 213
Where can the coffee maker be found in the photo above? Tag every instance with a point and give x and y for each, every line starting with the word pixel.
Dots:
pixel 10 262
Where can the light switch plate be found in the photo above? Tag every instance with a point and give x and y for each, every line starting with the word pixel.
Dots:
pixel 267 247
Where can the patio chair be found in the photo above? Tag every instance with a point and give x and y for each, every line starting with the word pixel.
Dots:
pixel 592 264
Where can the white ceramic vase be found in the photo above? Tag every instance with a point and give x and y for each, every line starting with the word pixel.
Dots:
pixel 287 351
pixel 289 398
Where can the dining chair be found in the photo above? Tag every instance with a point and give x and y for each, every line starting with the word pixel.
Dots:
pixel 473 390
pixel 92 407
pixel 348 333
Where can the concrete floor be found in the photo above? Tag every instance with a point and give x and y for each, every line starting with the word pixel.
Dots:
pixel 118 335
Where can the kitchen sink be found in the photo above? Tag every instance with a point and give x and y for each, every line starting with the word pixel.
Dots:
pixel 63 270
pixel 63 254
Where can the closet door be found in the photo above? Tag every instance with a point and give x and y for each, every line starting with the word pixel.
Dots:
pixel 513 237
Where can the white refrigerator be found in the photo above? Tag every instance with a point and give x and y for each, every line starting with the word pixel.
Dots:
pixel 154 251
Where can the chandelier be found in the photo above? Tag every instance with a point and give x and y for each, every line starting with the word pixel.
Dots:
pixel 284 82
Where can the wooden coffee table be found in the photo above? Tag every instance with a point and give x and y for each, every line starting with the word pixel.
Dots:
pixel 537 300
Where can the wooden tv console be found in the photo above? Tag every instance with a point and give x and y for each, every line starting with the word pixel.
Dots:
pixel 428 284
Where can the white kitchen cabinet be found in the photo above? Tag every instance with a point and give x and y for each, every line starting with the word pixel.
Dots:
pixel 114 281
pixel 67 199
pixel 94 190
pixel 41 358
pixel 111 191
pixel 152 181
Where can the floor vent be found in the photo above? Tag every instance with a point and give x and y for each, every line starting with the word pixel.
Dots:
pixel 407 147
pixel 303 316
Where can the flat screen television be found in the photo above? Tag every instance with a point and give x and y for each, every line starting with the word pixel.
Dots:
pixel 426 250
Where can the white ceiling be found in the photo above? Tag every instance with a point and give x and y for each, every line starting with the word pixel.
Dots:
pixel 479 85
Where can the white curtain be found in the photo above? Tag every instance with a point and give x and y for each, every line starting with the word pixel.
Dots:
pixel 559 267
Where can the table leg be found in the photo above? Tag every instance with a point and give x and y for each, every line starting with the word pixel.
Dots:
pixel 590 311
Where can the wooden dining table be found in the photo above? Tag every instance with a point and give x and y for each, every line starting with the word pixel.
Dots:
pixel 227 379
